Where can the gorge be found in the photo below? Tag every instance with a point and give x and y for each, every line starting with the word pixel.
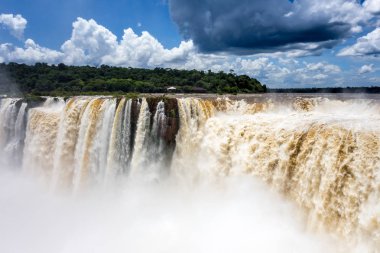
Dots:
pixel 317 154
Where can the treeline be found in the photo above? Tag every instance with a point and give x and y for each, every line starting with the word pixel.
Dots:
pixel 44 79
pixel 369 90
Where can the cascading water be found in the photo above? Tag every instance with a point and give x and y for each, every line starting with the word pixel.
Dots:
pixel 120 148
pixel 193 115
pixel 93 141
pixel 143 129
pixel 12 131
pixel 68 132
pixel 323 154
pixel 155 135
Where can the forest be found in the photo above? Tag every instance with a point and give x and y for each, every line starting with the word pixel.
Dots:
pixel 62 80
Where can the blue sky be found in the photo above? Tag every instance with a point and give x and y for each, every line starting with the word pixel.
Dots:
pixel 50 22
pixel 284 44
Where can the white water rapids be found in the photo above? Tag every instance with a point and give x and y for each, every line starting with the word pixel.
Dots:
pixel 99 174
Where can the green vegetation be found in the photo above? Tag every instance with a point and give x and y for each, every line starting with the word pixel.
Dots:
pixel 61 80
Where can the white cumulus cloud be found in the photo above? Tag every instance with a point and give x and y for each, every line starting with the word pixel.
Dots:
pixel 16 24
pixel 323 67
pixel 31 53
pixel 89 43
pixel 146 51
pixel 372 6
pixel 366 69
pixel 366 45
pixel 93 44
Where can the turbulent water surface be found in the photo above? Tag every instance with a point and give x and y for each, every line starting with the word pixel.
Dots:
pixel 165 174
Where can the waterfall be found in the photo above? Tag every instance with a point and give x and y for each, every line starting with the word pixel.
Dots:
pixel 323 154
pixel 143 129
pixel 11 129
pixel 322 167
pixel 8 111
pixel 40 140
pixel 193 114
pixel 103 138
pixel 120 144
pixel 153 142
pixel 13 149
pixel 155 147
pixel 20 121
pixel 65 145
pixel 93 142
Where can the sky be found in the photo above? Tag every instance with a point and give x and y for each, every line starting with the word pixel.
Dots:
pixel 299 43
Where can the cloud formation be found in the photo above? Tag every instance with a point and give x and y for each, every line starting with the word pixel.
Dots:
pixel 372 6
pixel 366 69
pixel 93 44
pixel 30 54
pixel 16 24
pixel 365 46
pixel 89 43
pixel 254 26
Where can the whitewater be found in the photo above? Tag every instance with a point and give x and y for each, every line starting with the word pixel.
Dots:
pixel 285 173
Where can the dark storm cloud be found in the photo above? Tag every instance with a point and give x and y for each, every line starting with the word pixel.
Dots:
pixel 254 26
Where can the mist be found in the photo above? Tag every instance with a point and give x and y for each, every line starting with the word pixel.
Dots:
pixel 7 85
pixel 241 215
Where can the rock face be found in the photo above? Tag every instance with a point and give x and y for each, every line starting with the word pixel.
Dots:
pixel 164 126
pixel 170 125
